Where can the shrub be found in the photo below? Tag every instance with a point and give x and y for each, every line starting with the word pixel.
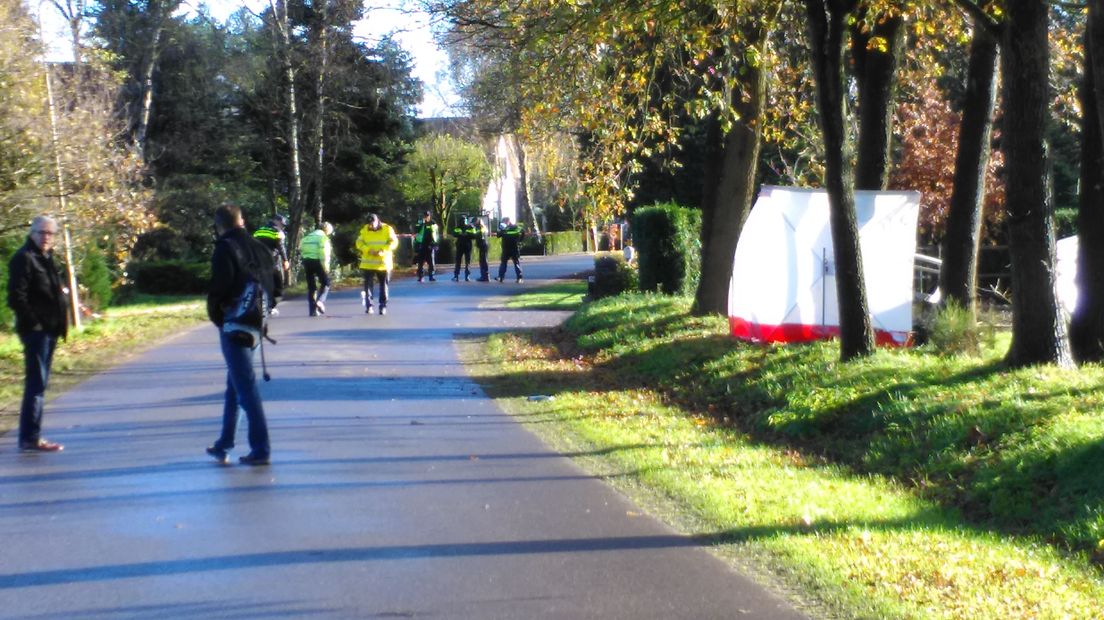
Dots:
pixel 8 247
pixel 667 238
pixel 953 330
pixel 96 278
pixel 612 276
pixel 168 277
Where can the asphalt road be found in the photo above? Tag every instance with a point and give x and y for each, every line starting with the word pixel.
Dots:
pixel 397 489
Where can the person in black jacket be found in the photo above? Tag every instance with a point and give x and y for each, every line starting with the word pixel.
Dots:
pixel 511 235
pixel 240 267
pixel 38 299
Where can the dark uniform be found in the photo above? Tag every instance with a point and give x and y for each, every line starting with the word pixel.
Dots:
pixel 511 236
pixel 482 247
pixel 465 234
pixel 425 248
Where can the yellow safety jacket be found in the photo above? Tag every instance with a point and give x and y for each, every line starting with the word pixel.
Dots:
pixel 371 243
pixel 316 245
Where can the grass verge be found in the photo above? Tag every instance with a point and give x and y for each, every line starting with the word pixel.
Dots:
pixel 907 485
pixel 121 331
pixel 566 295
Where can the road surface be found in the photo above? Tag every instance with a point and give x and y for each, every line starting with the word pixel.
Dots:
pixel 397 489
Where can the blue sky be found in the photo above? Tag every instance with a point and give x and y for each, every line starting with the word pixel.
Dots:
pixel 398 18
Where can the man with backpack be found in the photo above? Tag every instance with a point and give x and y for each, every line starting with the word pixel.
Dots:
pixel 237 303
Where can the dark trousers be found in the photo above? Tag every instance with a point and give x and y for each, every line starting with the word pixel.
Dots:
pixel 38 353
pixel 241 391
pixel 318 283
pixel 383 277
pixel 463 254
pixel 514 255
pixel 427 254
pixel 484 268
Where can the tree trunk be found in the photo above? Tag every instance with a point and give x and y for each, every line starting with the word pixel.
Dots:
pixel 153 53
pixel 1087 326
pixel 731 172
pixel 958 274
pixel 319 121
pixel 876 71
pixel 1038 331
pixel 525 208
pixel 827 25
pixel 295 178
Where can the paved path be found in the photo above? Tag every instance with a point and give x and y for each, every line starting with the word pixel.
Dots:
pixel 398 490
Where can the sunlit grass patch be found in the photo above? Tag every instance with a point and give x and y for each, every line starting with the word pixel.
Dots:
pixel 909 484
pixel 566 295
pixel 119 332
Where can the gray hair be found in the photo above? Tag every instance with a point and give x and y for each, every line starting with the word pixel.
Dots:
pixel 42 221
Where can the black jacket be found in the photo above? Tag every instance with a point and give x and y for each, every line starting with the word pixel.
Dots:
pixel 229 274
pixel 35 292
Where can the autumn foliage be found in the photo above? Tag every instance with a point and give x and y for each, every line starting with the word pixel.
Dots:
pixel 928 134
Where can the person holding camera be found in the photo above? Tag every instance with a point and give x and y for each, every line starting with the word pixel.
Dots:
pixel 241 280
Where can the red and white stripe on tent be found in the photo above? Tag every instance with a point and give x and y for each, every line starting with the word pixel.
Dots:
pixel 783 286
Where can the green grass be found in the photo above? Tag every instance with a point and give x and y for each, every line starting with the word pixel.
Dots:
pixel 567 295
pixel 905 485
pixel 104 341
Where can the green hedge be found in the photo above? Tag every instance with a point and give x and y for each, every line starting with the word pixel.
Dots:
pixel 612 275
pixel 170 276
pixel 668 240
pixel 565 242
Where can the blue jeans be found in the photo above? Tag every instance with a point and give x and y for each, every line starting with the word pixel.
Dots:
pixel 241 391
pixel 383 277
pixel 38 352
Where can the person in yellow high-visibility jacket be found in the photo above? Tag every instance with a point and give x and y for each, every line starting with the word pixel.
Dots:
pixel 376 244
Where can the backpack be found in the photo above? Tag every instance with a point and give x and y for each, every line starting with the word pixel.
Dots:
pixel 248 313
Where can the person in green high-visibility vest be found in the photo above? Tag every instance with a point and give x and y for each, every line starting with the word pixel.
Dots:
pixel 316 249
pixel 271 235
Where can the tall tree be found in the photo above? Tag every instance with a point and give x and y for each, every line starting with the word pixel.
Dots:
pixel 441 171
pixel 733 139
pixel 961 243
pixel 1038 330
pixel 281 30
pixel 876 50
pixel 1087 325
pixel 828 24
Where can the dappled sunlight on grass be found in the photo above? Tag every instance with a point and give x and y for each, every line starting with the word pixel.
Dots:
pixel 904 485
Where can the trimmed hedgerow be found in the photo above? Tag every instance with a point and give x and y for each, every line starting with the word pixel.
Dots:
pixel 667 238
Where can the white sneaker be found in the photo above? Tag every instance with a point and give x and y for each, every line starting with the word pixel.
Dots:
pixel 273 312
pixel 320 306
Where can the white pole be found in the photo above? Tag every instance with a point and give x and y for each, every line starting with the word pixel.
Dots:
pixel 74 297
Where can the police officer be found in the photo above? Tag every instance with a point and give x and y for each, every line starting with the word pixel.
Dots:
pixel 511 235
pixel 316 249
pixel 425 246
pixel 272 236
pixel 482 247
pixel 465 234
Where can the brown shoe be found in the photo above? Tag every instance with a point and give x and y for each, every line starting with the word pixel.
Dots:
pixel 41 446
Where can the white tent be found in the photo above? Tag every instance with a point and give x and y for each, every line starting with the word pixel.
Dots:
pixel 783 285
pixel 1066 273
